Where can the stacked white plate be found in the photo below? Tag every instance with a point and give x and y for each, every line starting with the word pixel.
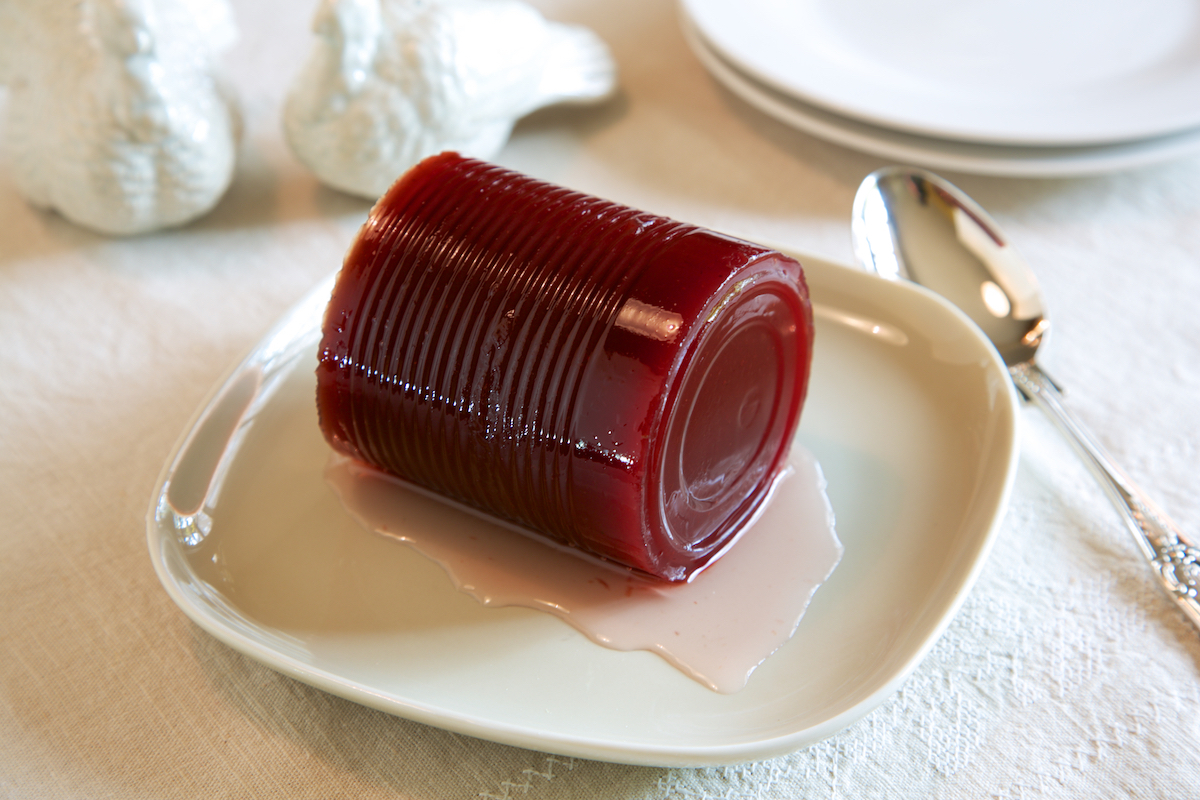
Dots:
pixel 1001 87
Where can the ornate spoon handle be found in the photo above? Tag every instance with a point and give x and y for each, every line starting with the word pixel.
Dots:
pixel 1175 561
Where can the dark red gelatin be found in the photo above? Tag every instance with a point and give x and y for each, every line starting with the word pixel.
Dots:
pixel 616 381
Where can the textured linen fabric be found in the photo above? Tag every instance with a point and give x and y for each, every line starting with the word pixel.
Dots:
pixel 1065 674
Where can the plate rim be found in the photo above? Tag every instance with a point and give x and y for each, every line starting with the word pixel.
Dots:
pixel 837 102
pixel 961 156
pixel 164 551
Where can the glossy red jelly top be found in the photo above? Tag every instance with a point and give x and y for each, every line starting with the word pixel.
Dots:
pixel 616 381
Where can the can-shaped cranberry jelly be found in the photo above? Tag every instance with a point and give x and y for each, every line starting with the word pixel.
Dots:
pixel 613 380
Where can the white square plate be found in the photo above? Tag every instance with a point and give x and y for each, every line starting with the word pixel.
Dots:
pixel 910 413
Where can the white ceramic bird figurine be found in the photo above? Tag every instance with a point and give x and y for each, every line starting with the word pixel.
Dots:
pixel 392 81
pixel 115 117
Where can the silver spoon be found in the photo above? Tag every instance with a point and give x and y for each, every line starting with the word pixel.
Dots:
pixel 909 224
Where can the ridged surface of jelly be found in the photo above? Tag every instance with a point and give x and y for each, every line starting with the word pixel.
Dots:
pixel 536 353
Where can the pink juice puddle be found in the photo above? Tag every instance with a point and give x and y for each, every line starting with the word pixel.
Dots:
pixel 717 628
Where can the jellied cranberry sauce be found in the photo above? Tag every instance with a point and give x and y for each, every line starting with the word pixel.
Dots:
pixel 616 381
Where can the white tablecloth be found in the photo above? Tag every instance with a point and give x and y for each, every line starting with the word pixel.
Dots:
pixel 1066 674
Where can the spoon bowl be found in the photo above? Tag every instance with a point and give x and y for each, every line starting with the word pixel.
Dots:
pixel 950 245
pixel 910 224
